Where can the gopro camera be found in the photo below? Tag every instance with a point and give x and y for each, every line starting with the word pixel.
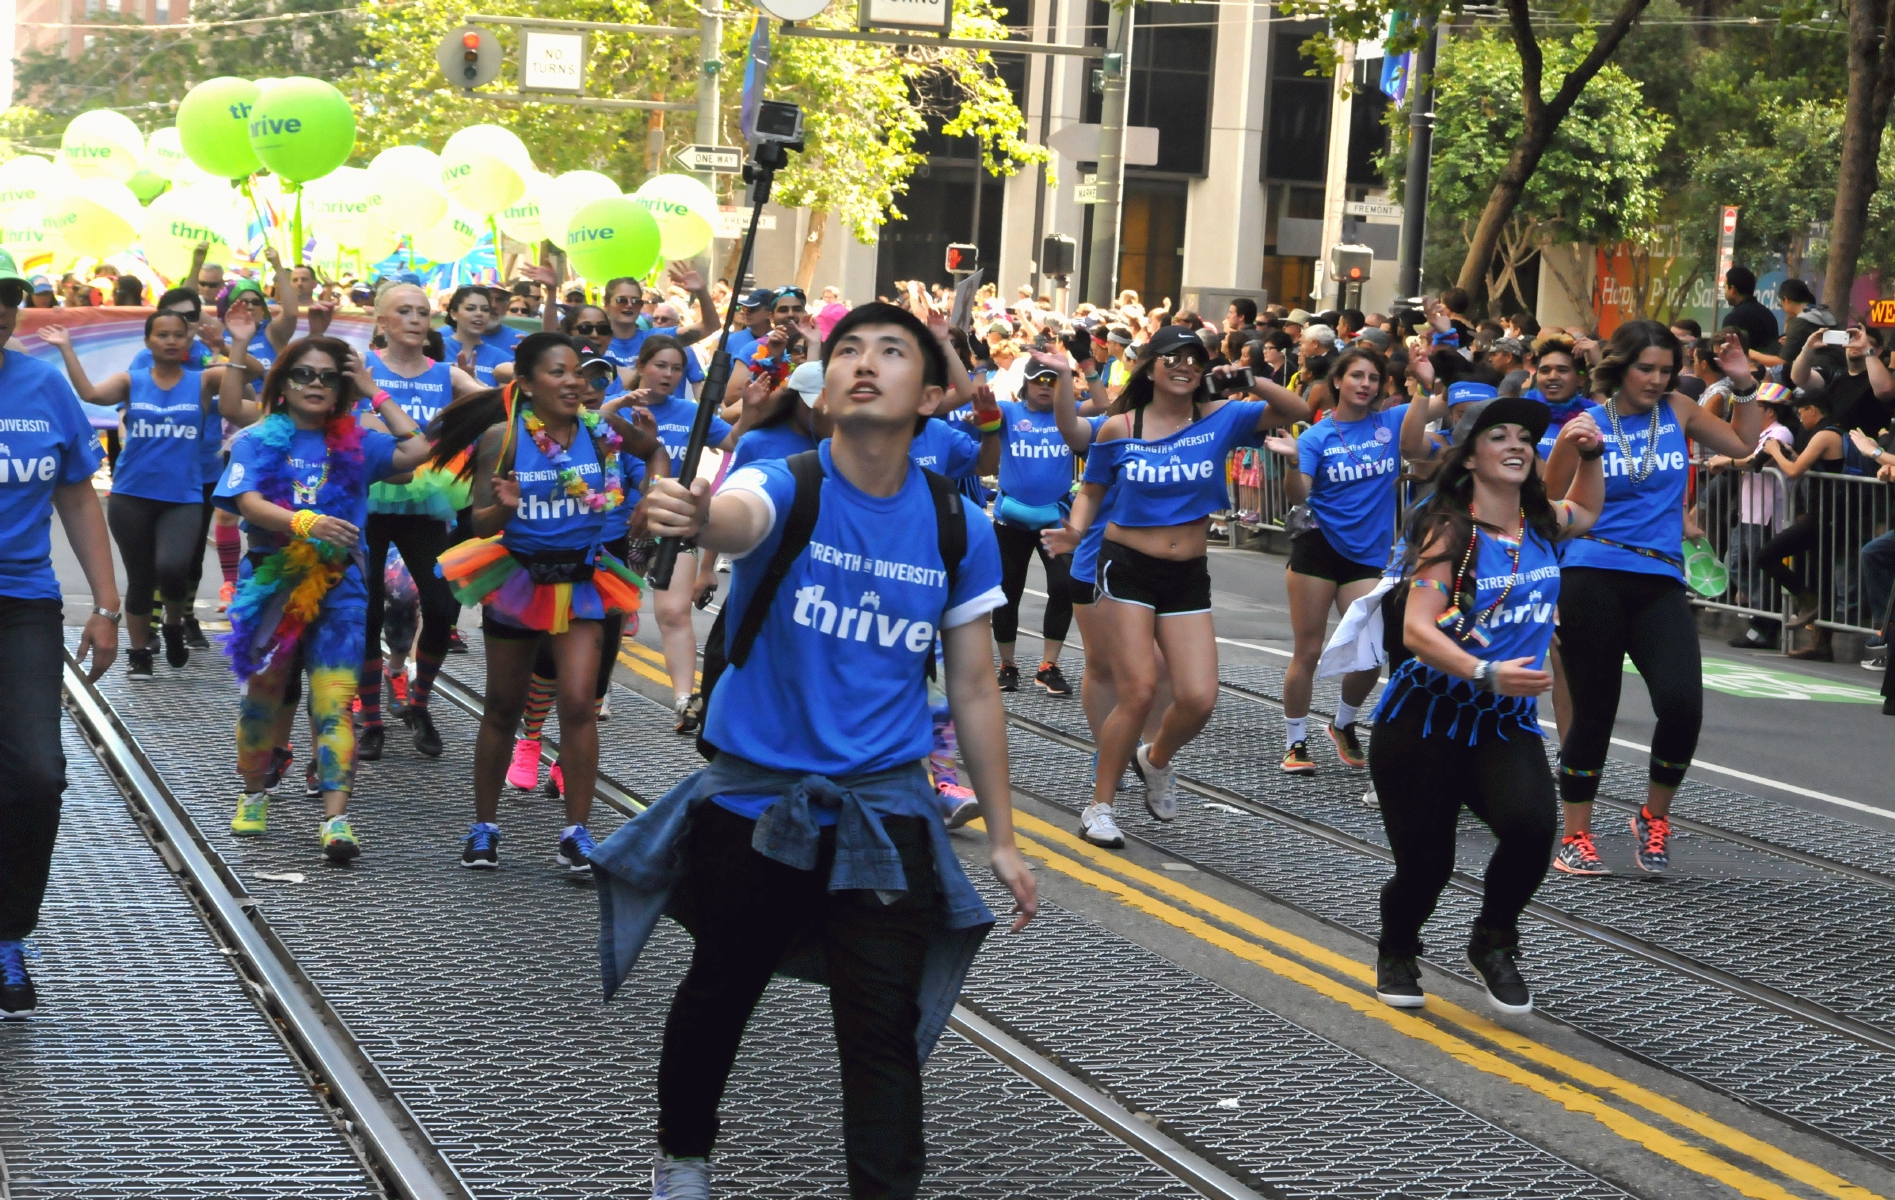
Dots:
pixel 780 122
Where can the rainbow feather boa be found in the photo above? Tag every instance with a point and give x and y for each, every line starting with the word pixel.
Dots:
pixel 290 584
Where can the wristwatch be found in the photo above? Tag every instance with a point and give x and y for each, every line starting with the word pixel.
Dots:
pixel 1484 676
pixel 108 614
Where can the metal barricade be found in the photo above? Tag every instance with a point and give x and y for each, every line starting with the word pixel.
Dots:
pixel 1257 499
pixel 1845 513
pixel 1740 511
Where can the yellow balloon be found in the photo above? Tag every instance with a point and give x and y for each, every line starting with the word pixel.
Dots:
pixel 337 206
pixel 97 219
pixel 165 156
pixel 484 168
pixel 30 179
pixel 521 219
pixel 565 195
pixel 377 243
pixel 180 219
pixel 405 189
pixel 23 233
pixel 684 209
pixel 450 239
pixel 102 144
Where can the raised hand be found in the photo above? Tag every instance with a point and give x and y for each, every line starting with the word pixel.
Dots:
pixel 57 336
pixel 686 276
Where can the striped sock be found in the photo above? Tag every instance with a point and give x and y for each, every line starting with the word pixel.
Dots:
pixel 539 702
pixel 369 693
pixel 229 550
pixel 427 666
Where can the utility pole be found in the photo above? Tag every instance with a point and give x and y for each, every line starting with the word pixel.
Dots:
pixel 709 77
pixel 1420 150
pixel 1102 275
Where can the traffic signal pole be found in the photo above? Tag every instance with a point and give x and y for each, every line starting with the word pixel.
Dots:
pixel 1102 275
pixel 709 77
pixel 1420 150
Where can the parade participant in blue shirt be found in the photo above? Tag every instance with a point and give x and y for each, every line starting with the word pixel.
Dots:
pixel 1347 467
pixel 300 480
pixel 1459 721
pixel 1624 580
pixel 816 802
pixel 1164 449
pixel 1558 380
pixel 793 420
pixel 757 320
pixel 157 508
pixel 1036 485
pixel 50 455
pixel 470 318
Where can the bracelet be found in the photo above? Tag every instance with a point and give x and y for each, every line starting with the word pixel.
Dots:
pixel 378 399
pixel 1592 455
pixel 304 520
pixel 1484 677
pixel 107 613
pixel 989 425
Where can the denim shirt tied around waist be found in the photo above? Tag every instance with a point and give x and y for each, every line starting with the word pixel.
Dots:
pixel 639 867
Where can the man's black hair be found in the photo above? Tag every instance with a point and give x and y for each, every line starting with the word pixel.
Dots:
pixel 1246 309
pixel 933 362
pixel 1741 281
pixel 1795 291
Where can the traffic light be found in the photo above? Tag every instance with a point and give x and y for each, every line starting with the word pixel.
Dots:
pixel 469 57
pixel 962 259
pixel 1351 264
pixel 1058 253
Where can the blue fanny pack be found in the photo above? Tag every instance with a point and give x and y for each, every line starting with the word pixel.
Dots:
pixel 1009 511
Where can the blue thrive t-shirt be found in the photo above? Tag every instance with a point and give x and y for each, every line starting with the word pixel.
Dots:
pixel 45 443
pixel 1036 464
pixel 1648 514
pixel 674 418
pixel 163 430
pixel 838 671
pixel 1352 468
pixel 770 442
pixel 487 356
pixel 945 450
pixel 1177 479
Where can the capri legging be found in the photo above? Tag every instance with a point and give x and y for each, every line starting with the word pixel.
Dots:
pixel 156 539
pixel 1603 617
pixel 420 540
pixel 1017 548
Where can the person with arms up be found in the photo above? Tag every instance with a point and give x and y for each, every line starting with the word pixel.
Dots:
pixel 815 824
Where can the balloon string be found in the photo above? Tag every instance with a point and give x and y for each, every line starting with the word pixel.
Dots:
pixel 251 196
pixel 296 228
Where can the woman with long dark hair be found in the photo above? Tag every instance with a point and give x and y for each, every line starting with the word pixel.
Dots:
pixel 1164 448
pixel 1624 579
pixel 1347 468
pixel 547 478
pixel 1459 721
pixel 470 317
pixel 300 480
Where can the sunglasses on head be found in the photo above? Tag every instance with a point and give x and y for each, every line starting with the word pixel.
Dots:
pixel 304 376
pixel 587 329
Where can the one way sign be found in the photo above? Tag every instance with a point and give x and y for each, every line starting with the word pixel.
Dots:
pixel 724 160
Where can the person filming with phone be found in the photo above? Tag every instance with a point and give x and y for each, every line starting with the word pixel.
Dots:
pixel 1861 395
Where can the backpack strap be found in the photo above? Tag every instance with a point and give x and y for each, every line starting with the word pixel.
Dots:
pixel 950 534
pixel 807 470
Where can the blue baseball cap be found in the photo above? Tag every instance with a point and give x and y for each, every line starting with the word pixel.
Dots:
pixel 1466 391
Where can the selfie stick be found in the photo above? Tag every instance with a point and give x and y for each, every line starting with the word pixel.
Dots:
pixel 766 160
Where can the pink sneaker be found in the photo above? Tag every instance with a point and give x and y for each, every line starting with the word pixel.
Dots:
pixel 556 782
pixel 525 771
pixel 959 803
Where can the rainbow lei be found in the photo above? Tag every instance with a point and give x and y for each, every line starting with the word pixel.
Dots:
pixel 605 444
pixel 307 570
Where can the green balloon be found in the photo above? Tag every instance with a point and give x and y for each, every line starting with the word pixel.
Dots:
pixel 147 185
pixel 302 129
pixel 214 126
pixel 610 237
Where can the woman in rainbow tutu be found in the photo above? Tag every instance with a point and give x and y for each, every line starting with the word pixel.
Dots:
pixel 548 476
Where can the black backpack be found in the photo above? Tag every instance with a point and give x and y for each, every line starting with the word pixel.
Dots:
pixel 950 536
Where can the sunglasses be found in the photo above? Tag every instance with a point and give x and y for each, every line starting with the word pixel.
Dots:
pixel 1182 358
pixel 628 299
pixel 304 376
pixel 664 322
pixel 598 381
pixel 588 329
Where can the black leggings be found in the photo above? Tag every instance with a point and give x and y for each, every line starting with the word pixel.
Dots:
pixel 420 540
pixel 155 539
pixel 1421 783
pixel 1017 547
pixel 203 537
pixel 1603 617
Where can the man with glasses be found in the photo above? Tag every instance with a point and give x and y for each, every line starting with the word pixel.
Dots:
pixel 210 282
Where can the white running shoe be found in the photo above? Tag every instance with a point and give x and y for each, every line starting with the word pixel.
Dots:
pixel 1097 826
pixel 1370 799
pixel 1161 785
pixel 680 1178
pixel 605 707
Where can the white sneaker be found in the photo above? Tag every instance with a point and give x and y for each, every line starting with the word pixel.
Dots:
pixel 1097 826
pixel 680 1178
pixel 1161 785
pixel 1370 799
pixel 605 707
pixel 723 564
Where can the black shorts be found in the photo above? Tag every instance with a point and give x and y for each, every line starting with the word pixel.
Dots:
pixel 502 630
pixel 1081 589
pixel 1312 555
pixel 1167 586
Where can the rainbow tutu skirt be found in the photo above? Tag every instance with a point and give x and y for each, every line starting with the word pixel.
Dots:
pixel 482 571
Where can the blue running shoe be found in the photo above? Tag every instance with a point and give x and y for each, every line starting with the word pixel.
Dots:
pixel 575 849
pixel 481 846
pixel 17 998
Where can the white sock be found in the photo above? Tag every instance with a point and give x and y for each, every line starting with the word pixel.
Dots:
pixel 1295 729
pixel 1345 713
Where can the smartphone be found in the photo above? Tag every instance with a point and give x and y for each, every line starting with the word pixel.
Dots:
pixel 1835 337
pixel 1235 379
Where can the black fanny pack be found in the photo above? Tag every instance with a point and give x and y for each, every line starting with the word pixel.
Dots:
pixel 556 566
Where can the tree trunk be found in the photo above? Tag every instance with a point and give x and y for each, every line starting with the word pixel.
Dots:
pixel 1540 119
pixel 811 253
pixel 1871 84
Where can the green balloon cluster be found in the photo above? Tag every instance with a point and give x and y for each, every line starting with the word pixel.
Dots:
pixel 612 236
pixel 214 126
pixel 302 129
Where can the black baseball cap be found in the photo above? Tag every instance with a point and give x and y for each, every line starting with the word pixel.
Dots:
pixel 1173 338
pixel 1039 370
pixel 1534 415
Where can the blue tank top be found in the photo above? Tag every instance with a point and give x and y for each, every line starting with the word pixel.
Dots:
pixel 1036 465
pixel 162 430
pixel 549 519
pixel 487 356
pixel 1178 479
pixel 210 448
pixel 423 396
pixel 1646 516
pixel 262 351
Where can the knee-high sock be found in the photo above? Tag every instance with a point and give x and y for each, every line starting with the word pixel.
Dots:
pixel 370 693
pixel 229 550
pixel 427 666
pixel 539 702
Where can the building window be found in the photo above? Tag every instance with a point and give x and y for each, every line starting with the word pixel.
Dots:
pixel 163 12
pixel 1298 133
pixel 1174 51
pixel 1368 128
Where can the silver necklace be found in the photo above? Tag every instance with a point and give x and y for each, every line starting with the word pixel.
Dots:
pixel 1642 470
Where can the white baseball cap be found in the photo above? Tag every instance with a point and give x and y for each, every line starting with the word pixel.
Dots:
pixel 806 381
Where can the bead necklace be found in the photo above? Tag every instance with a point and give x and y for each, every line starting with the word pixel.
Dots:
pixel 605 442
pixel 1641 470
pixel 1465 623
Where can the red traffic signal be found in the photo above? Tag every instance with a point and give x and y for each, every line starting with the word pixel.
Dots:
pixel 962 258
pixel 469 57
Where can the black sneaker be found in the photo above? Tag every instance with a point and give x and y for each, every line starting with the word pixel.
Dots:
pixel 17 998
pixel 280 759
pixel 427 737
pixel 1506 990
pixel 480 849
pixel 1009 677
pixel 138 666
pixel 1050 679
pixel 176 652
pixel 1398 983
pixel 1750 639
pixel 194 635
pixel 312 786
pixel 456 644
pixel 368 743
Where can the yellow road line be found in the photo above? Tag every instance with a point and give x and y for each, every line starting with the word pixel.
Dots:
pixel 1565 1094
pixel 640 667
pixel 652 657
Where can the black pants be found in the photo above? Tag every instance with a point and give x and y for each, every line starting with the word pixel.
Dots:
pixel 420 540
pixel 203 538
pixel 1017 548
pixel 744 910
pixel 155 539
pixel 32 765
pixel 1421 783
pixel 1603 617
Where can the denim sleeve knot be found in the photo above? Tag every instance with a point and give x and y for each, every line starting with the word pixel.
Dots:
pixel 866 859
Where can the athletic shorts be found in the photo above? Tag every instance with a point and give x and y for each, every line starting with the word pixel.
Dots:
pixel 1167 586
pixel 1312 555
pixel 1080 590
pixel 502 630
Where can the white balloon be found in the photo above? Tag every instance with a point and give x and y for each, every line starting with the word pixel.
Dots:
pixel 177 221
pixel 686 212
pixel 103 144
pixel 484 168
pixel 406 189
pixel 30 179
pixel 98 218
pixel 451 239
pixel 521 219
pixel 165 156
pixel 337 208
pixel 565 195
pixel 23 232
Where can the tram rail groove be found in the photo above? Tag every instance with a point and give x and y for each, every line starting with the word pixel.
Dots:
pixel 404 1161
pixel 999 1041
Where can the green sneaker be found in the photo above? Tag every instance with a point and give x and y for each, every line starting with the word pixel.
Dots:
pixel 253 814
pixel 338 840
